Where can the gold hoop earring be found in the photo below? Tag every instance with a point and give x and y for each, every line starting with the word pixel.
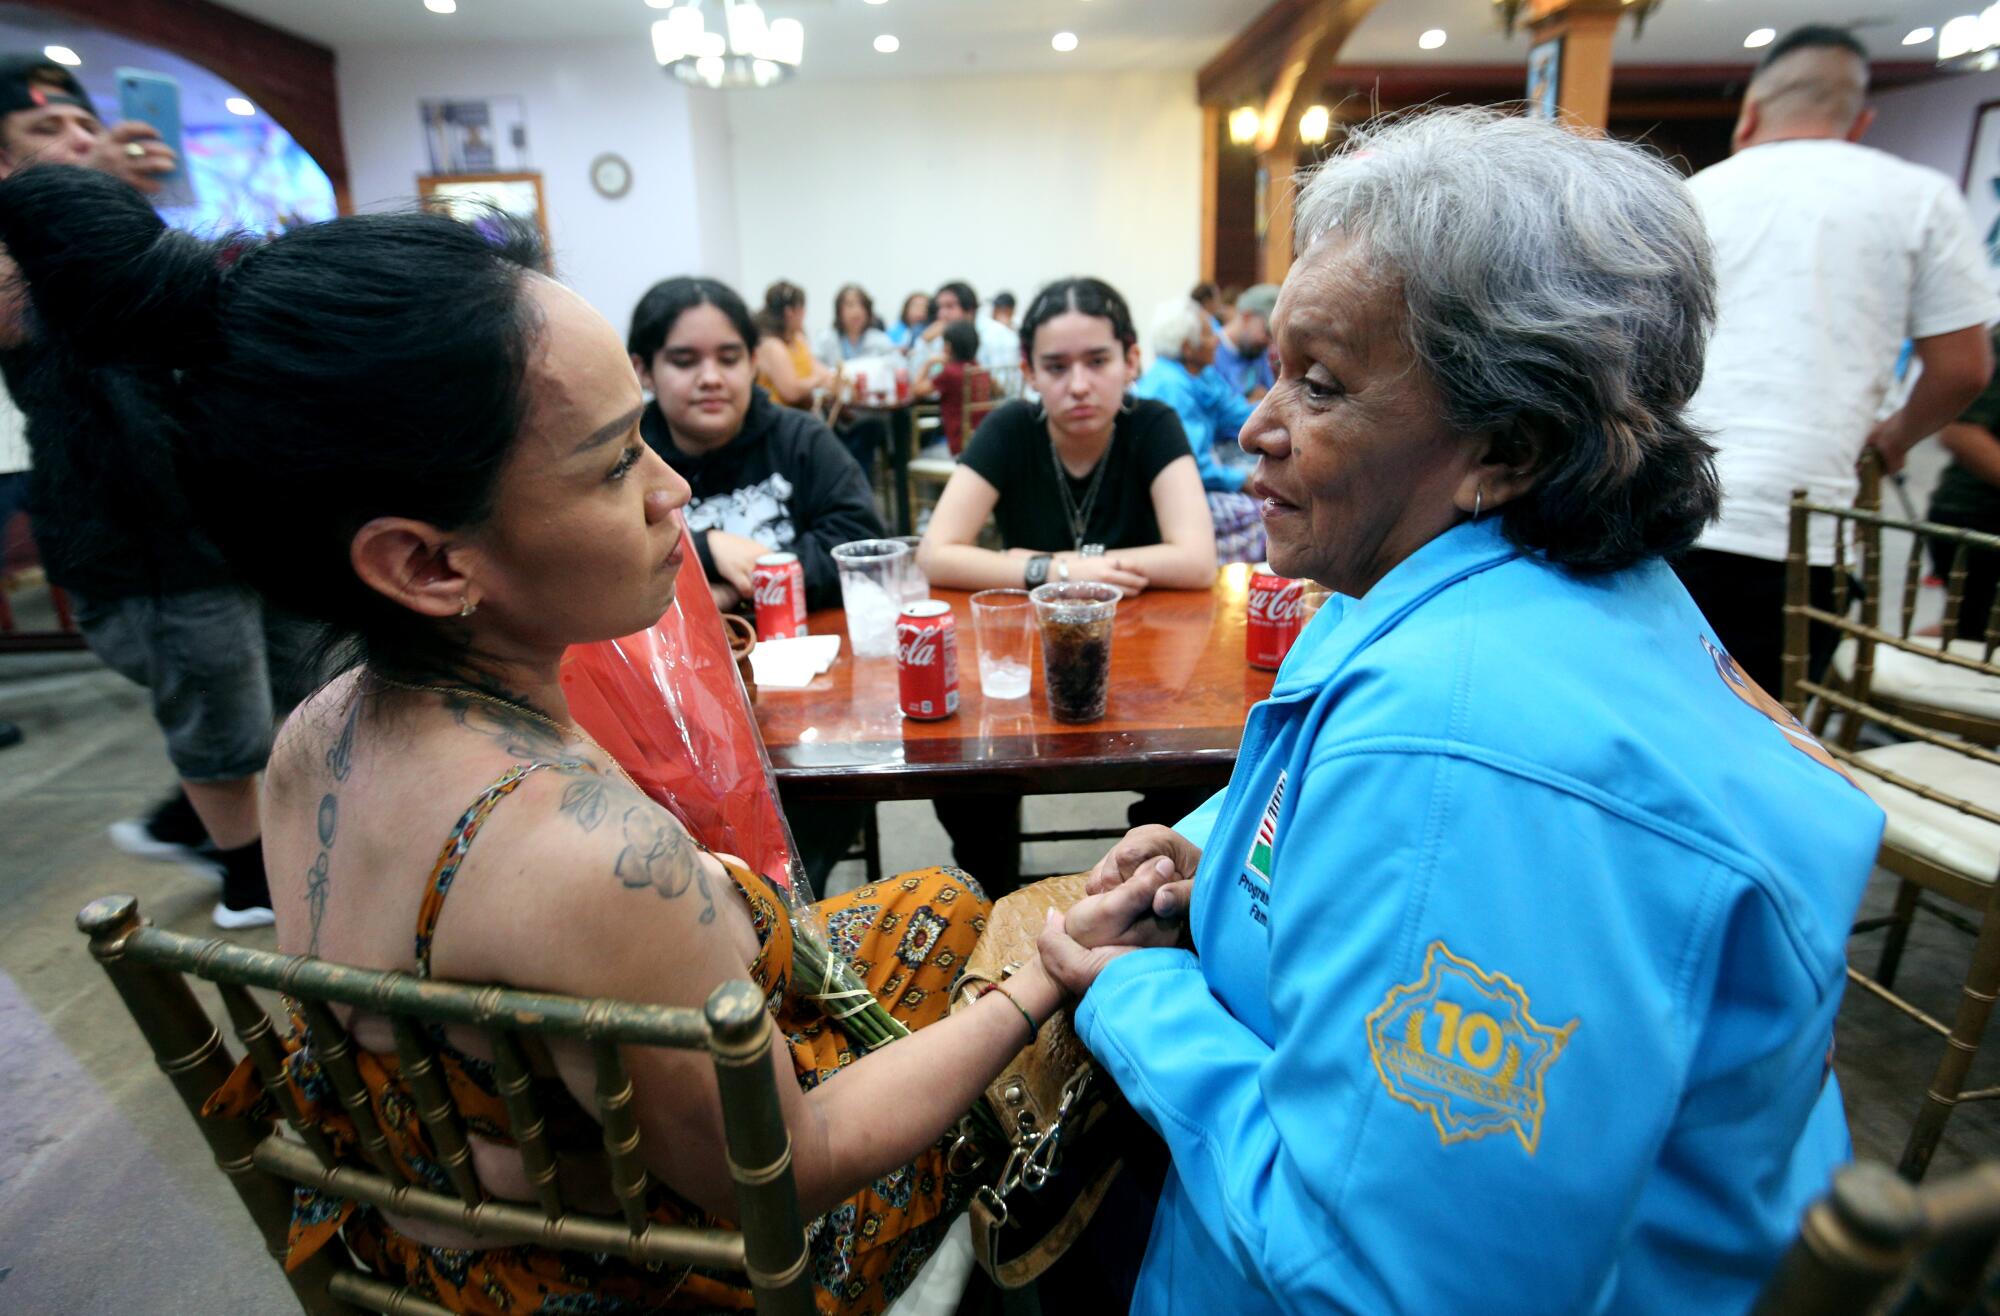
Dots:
pixel 1478 501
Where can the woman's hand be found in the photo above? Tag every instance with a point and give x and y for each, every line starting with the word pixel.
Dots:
pixel 734 556
pixel 1141 845
pixel 1109 570
pixel 1071 965
pixel 1147 909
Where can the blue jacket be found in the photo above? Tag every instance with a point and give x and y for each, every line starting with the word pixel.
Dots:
pixel 1520 934
pixel 1209 412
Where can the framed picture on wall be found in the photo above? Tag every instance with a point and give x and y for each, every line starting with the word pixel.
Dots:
pixel 1982 183
pixel 466 195
pixel 1544 79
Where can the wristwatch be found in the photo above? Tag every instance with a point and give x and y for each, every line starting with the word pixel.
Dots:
pixel 1037 571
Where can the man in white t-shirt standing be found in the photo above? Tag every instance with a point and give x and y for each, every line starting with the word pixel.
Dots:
pixel 1828 256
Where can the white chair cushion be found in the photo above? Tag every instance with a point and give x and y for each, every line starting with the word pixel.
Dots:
pixel 940 1284
pixel 1925 682
pixel 1943 835
pixel 936 468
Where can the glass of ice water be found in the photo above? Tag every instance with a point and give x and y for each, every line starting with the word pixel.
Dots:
pixel 916 585
pixel 873 585
pixel 1004 622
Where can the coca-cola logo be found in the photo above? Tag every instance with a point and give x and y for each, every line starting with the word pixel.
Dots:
pixel 1278 606
pixel 917 646
pixel 773 592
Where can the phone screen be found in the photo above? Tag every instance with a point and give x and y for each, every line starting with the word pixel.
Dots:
pixel 155 98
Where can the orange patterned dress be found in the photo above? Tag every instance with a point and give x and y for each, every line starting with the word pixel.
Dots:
pixel 907 939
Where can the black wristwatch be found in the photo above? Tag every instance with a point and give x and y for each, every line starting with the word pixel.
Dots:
pixel 1037 570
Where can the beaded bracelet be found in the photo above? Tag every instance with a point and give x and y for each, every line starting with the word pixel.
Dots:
pixel 979 991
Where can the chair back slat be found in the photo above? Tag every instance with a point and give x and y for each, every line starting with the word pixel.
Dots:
pixel 1992 629
pixel 1913 580
pixel 440 1118
pixel 516 1081
pixel 1954 591
pixel 260 1042
pixel 334 1050
pixel 1841 583
pixel 621 1134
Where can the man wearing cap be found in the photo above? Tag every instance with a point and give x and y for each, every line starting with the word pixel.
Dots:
pixel 1243 348
pixel 152 598
pixel 47 117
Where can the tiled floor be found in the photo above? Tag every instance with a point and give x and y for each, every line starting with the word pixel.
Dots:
pixel 108 1199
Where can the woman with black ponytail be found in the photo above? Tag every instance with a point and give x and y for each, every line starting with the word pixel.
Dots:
pixel 397 426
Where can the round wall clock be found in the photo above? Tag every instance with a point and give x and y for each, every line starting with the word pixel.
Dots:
pixel 611 176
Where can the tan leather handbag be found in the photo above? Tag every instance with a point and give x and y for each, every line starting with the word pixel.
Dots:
pixel 1051 1181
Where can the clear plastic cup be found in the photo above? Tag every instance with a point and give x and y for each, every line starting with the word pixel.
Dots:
pixel 1075 619
pixel 916 585
pixel 1004 621
pixel 872 587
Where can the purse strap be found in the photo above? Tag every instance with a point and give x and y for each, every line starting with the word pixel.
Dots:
pixel 1028 1267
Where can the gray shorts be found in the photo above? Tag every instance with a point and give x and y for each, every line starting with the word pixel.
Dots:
pixel 201 655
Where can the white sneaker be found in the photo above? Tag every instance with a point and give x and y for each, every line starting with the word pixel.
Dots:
pixel 234 920
pixel 133 837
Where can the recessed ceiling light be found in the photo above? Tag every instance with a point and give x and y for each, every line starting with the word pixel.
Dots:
pixel 441 6
pixel 1431 40
pixel 1919 35
pixel 238 105
pixel 887 45
pixel 878 2
pixel 62 55
pixel 659 4
pixel 1063 41
pixel 1763 36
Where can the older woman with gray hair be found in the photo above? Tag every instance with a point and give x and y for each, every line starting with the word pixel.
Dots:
pixel 1516 939
pixel 1183 375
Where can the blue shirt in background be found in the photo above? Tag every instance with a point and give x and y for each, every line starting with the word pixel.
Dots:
pixel 1242 373
pixel 1210 413
pixel 1521 932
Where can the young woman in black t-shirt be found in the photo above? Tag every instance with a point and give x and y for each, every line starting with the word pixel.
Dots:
pixel 1088 483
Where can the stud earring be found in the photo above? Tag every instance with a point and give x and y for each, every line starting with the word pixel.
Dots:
pixel 466 607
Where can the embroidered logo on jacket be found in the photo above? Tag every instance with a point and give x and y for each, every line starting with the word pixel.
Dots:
pixel 1460 1045
pixel 1259 862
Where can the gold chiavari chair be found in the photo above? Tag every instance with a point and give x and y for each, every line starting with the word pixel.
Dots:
pixel 263 1158
pixel 1877 1243
pixel 1949 697
pixel 1940 791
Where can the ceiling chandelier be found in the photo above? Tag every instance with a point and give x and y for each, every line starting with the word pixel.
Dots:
pixel 1510 13
pixel 747 52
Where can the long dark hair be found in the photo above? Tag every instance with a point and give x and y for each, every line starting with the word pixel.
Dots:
pixel 1086 296
pixel 653 319
pixel 294 389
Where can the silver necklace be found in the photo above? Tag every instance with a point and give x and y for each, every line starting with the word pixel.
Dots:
pixel 1079 516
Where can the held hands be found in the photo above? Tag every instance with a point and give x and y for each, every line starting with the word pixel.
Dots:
pixel 1140 845
pixel 1145 909
pixel 142 170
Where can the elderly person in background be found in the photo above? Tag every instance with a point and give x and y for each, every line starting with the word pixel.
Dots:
pixel 1183 376
pixel 1520 922
pixel 1243 348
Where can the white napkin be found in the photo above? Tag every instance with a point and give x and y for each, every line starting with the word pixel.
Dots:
pixel 792 664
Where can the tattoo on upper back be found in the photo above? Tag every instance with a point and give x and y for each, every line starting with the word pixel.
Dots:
pixel 340 763
pixel 585 800
pixel 660 855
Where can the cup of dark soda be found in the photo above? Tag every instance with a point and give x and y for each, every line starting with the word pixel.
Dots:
pixel 1075 621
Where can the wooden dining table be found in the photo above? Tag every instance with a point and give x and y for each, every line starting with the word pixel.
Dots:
pixel 1179 690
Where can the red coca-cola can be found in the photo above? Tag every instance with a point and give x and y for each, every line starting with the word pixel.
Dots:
pixel 1274 618
pixel 778 586
pixel 927 660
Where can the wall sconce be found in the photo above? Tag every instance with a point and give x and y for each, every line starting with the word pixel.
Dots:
pixel 1244 124
pixel 1314 124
